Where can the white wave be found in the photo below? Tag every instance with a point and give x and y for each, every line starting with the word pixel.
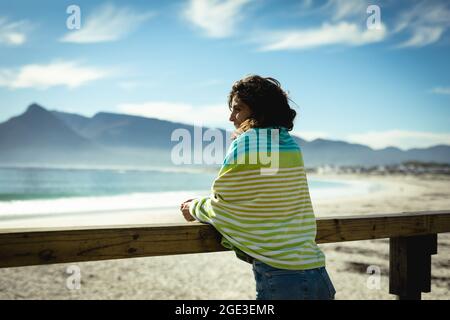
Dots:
pixel 134 201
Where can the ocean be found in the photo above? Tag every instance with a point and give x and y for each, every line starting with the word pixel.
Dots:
pixel 27 193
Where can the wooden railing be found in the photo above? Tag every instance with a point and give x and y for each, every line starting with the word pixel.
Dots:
pixel 413 239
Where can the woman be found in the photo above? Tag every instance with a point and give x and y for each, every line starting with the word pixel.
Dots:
pixel 262 210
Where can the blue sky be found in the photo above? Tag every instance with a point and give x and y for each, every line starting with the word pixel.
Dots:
pixel 177 60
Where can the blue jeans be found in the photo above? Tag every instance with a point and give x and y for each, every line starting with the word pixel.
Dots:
pixel 282 284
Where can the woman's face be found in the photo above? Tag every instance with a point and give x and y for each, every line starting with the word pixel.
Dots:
pixel 239 112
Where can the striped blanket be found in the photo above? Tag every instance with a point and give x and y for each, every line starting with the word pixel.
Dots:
pixel 260 201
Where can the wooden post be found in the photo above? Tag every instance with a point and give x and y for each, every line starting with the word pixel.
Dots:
pixel 410 265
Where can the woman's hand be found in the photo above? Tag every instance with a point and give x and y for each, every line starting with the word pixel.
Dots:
pixel 185 210
pixel 236 133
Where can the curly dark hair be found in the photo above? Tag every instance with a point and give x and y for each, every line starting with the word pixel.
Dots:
pixel 268 102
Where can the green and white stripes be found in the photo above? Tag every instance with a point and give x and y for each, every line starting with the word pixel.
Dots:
pixel 268 216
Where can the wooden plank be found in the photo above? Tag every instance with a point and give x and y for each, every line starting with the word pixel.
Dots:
pixel 34 248
pixel 352 228
pixel 38 246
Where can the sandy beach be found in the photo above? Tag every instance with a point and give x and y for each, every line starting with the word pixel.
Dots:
pixel 223 276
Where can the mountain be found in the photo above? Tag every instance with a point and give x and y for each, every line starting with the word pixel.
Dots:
pixel 441 153
pixel 126 131
pixel 321 152
pixel 42 136
pixel 329 152
pixel 37 135
pixel 39 128
pixel 75 121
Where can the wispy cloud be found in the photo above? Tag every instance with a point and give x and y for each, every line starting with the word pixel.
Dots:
pixel 13 33
pixel 44 76
pixel 108 23
pixel 207 115
pixel 399 138
pixel 425 23
pixel 441 90
pixel 342 9
pixel 217 19
pixel 343 24
pixel 343 33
